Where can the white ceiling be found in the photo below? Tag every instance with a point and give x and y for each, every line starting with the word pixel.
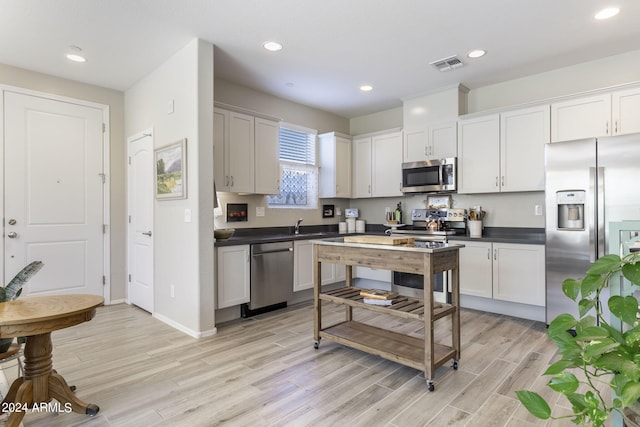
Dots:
pixel 331 47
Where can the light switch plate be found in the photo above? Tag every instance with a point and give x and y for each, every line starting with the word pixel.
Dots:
pixel 537 210
pixel 259 210
pixel 187 215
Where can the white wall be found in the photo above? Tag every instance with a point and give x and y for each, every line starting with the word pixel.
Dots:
pixel 31 80
pixel 375 122
pixel 183 252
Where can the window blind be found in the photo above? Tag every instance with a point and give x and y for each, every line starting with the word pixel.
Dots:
pixel 296 146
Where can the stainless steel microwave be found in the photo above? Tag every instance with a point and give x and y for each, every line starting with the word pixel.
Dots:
pixel 430 176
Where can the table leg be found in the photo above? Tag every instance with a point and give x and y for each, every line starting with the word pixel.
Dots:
pixel 59 390
pixel 23 400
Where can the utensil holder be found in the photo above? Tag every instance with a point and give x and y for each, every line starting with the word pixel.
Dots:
pixel 475 228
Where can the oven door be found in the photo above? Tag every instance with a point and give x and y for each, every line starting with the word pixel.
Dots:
pixel 412 285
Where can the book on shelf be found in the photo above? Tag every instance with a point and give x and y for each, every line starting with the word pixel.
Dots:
pixel 378 294
pixel 373 301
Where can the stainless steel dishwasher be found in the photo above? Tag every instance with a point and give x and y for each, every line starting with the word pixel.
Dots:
pixel 271 277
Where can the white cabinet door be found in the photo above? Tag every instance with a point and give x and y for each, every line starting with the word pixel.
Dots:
pixel 335 166
pixel 220 154
pixel 626 111
pixel 302 265
pixel 386 165
pixel 267 157
pixel 519 273
pixel 415 144
pixel 233 275
pixel 475 264
pixel 587 117
pixel 479 154
pixel 362 167
pixel 241 153
pixel 443 140
pixel 523 135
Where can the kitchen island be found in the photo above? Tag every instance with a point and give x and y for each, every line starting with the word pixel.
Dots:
pixel 426 258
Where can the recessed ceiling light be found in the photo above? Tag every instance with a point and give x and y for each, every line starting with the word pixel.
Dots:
pixel 607 13
pixel 272 46
pixel 366 88
pixel 76 58
pixel 477 53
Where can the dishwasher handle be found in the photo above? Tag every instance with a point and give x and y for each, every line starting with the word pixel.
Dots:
pixel 272 252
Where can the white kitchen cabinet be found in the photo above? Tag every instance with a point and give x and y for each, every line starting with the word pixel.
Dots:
pixel 233 275
pixel 303 267
pixel 361 167
pixel 579 118
pixel 267 157
pixel 377 165
pixel 246 158
pixel 334 155
pixel 503 152
pixel 479 154
pixel 625 111
pixel 523 135
pixel 503 271
pixel 437 141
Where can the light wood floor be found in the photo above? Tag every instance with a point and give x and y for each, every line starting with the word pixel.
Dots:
pixel 264 371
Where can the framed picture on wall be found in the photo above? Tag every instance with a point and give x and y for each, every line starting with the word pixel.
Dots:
pixel 171 171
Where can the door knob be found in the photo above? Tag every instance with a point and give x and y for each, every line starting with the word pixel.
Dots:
pixel 12 235
pixel 12 221
pixel 148 233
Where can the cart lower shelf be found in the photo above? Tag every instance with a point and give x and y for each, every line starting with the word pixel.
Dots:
pixel 403 349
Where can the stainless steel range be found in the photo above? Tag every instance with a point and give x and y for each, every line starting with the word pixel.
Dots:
pixel 433 226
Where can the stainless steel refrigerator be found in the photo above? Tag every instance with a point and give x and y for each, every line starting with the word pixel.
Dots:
pixel 589 183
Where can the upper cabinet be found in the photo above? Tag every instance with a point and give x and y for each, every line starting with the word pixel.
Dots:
pixel 334 153
pixel 437 141
pixel 503 152
pixel 377 165
pixel 245 153
pixel 612 113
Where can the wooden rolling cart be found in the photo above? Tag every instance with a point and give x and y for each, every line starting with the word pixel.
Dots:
pixel 423 354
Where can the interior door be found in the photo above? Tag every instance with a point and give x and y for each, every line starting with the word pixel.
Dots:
pixel 54 202
pixel 140 230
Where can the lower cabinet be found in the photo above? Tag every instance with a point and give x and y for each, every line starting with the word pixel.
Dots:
pixel 503 271
pixel 233 267
pixel 303 267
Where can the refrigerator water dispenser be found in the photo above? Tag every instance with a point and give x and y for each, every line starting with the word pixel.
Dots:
pixel 571 209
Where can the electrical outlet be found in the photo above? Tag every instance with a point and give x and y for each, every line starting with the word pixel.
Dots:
pixel 259 210
pixel 173 291
pixel 537 210
pixel 170 106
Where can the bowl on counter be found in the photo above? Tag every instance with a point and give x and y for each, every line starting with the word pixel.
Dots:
pixel 223 233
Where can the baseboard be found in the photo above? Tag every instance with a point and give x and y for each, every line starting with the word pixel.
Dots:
pixel 182 328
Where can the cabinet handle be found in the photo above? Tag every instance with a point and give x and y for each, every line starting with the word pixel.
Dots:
pixel 606 132
pixel 232 180
pixel 226 180
pixel 488 254
pixel 495 254
pixel 369 189
pixel 497 180
pixel 502 182
pixel 616 127
pixel 426 151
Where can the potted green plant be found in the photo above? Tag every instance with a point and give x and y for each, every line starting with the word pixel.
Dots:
pixel 605 356
pixel 13 291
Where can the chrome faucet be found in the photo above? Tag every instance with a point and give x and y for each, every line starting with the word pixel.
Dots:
pixel 297 229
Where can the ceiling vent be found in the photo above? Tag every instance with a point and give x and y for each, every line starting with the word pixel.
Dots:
pixel 447 64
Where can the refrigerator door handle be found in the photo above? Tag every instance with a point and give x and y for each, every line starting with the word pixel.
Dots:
pixel 600 213
pixel 592 215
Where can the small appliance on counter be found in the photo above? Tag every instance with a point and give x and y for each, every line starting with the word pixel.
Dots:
pixel 438 223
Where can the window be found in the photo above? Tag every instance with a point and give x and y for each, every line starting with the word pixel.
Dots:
pixel 299 173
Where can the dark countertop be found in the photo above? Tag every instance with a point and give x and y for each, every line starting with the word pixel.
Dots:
pixel 248 236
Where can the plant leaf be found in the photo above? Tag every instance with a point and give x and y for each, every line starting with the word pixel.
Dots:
pixel 565 383
pixel 561 324
pixel 534 403
pixel 585 305
pixel 605 264
pixel 632 272
pixel 630 393
pixel 624 308
pixel 597 348
pixel 560 366
pixel 591 333
pixel 590 284
pixel 14 288
pixel 571 288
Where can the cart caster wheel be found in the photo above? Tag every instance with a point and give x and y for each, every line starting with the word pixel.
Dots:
pixel 455 365
pixel 316 345
pixel 430 385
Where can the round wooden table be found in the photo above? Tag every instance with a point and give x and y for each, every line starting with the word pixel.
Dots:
pixel 35 318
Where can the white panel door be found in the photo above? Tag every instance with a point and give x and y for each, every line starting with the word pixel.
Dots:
pixel 54 194
pixel 140 227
